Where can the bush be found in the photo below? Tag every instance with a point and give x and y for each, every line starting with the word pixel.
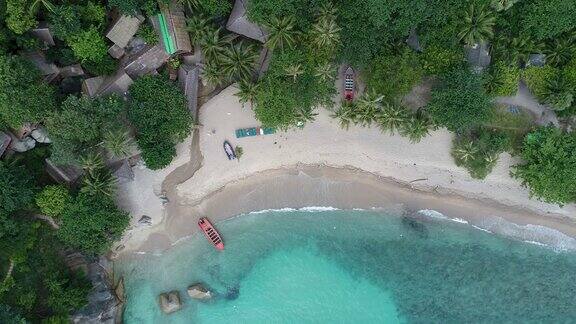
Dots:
pixel 52 200
pixel 394 75
pixel 148 34
pixel 549 165
pixel 537 78
pixel 106 66
pixel 437 60
pixel 88 45
pixel 459 103
pixel 18 19
pixel 502 80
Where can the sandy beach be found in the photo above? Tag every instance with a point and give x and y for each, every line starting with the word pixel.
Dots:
pixel 323 165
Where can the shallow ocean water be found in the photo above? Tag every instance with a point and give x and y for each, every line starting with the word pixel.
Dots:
pixel 338 266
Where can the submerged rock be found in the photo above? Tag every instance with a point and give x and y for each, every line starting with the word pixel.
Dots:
pixel 415 226
pixel 145 221
pixel 233 292
pixel 198 291
pixel 170 302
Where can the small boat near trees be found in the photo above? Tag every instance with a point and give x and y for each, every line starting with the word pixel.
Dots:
pixel 211 233
pixel 349 84
pixel 229 150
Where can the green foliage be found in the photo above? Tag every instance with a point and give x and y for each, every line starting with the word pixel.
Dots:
pixel 94 14
pixel 67 294
pixel 502 80
pixel 537 78
pixel 105 66
pixel 569 74
pixel 9 316
pixel 459 103
pixel 52 200
pixel 280 99
pixel 477 24
pixel 281 32
pixel 394 75
pixel 148 34
pixel 133 7
pixel 65 21
pixel 88 45
pixel 213 8
pixel 158 111
pixel 91 223
pixel 548 18
pixel 418 126
pixel 18 19
pixel 437 60
pixel 549 165
pixel 16 188
pixel 237 61
pixel 561 50
pixel 82 123
pixel 478 151
pixel 239 152
pixel 23 95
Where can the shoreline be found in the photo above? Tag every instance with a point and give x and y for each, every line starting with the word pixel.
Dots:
pixel 355 168
pixel 346 189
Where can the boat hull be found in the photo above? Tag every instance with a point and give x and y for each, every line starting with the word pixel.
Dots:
pixel 211 233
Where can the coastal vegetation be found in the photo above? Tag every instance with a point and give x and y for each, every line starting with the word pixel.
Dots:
pixel 466 57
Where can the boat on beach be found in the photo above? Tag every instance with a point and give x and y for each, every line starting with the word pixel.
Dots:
pixel 211 233
pixel 229 150
pixel 349 84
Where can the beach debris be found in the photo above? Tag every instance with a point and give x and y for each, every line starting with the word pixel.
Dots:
pixel 145 221
pixel 198 291
pixel 170 302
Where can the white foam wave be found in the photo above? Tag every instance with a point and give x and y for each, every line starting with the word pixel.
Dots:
pixel 279 210
pixel 317 208
pixel 309 209
pixel 438 215
pixel 482 229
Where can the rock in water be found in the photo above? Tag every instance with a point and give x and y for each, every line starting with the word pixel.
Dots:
pixel 197 291
pixel 145 221
pixel 233 292
pixel 170 302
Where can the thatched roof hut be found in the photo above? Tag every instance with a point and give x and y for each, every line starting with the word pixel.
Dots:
pixel 146 61
pixel 170 24
pixel 188 78
pixel 123 29
pixel 238 23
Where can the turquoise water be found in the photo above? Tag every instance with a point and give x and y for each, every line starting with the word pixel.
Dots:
pixel 354 266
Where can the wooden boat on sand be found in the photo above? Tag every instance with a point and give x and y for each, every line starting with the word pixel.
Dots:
pixel 349 84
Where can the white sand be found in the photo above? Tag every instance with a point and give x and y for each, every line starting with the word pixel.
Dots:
pixel 425 166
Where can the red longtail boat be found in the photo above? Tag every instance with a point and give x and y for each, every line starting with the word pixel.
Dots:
pixel 349 84
pixel 211 234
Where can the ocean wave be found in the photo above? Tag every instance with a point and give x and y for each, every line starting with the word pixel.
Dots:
pixel 438 215
pixel 309 209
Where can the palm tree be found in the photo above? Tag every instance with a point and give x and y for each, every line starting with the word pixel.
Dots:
pixel 281 33
pixel 477 26
pixel 560 51
pixel 368 108
pixel 247 91
pixel 393 117
pixel 238 61
pixel 464 151
pixel 344 114
pixel 326 72
pixel 515 51
pixel 503 5
pixel 191 4
pixel 91 162
pixel 294 71
pixel 198 27
pixel 213 74
pixel 213 45
pixel 99 183
pixel 417 127
pixel 327 11
pixel 325 34
pixel 35 6
pixel 118 143
pixel 304 115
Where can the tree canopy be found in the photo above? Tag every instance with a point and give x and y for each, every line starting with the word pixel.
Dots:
pixel 459 103
pixel 549 165
pixel 91 223
pixel 158 111
pixel 23 95
pixel 16 188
